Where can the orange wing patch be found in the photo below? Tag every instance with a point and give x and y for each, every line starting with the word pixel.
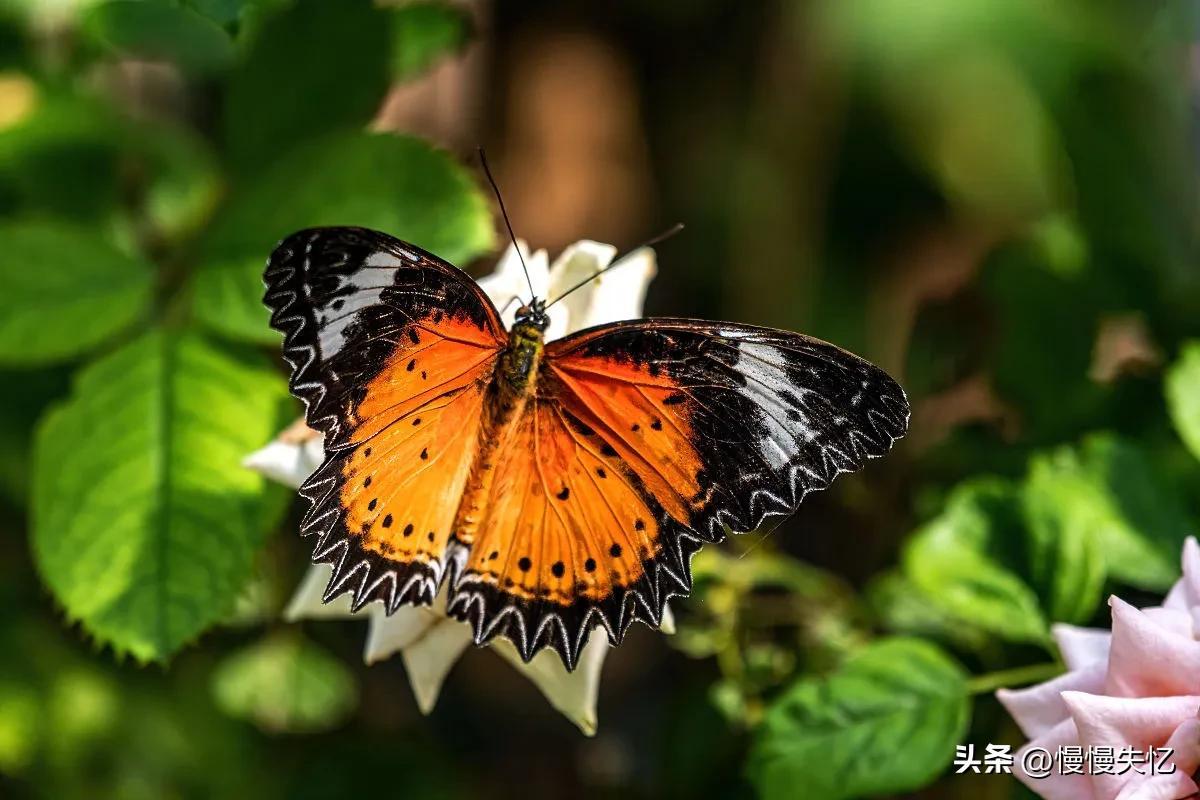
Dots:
pixel 643 418
pixel 565 521
pixel 410 451
pixel 588 515
pixel 388 499
pixel 391 350
pixel 434 358
pixel 401 487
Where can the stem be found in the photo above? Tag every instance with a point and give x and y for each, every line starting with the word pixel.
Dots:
pixel 1008 678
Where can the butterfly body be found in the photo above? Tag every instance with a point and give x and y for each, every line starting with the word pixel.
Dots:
pixel 513 383
pixel 546 487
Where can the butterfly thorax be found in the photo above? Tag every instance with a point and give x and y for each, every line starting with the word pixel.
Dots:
pixel 518 364
pixel 513 384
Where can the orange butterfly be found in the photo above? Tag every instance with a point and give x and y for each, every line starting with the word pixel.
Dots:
pixel 553 486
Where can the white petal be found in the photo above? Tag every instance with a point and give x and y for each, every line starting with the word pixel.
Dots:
pixel 560 322
pixel 619 293
pixel 429 643
pixel 306 602
pixel 507 280
pixel 577 263
pixel 390 634
pixel 287 462
pixel 667 625
pixel 430 657
pixel 507 287
pixel 572 693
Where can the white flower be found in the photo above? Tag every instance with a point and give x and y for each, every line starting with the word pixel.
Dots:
pixel 617 294
pixel 428 641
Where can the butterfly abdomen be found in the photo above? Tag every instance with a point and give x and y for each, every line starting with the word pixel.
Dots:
pixel 513 384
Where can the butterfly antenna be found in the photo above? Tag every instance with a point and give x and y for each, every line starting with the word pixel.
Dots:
pixel 504 213
pixel 667 234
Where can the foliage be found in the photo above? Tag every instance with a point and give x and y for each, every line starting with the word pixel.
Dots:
pixel 995 199
pixel 285 685
pixel 145 526
pixel 65 291
pixel 887 720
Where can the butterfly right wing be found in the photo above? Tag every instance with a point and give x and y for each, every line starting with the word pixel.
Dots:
pixel 391 350
pixel 646 439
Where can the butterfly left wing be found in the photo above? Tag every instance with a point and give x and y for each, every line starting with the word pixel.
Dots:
pixel 647 438
pixel 391 350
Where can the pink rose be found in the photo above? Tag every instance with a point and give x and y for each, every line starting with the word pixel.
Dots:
pixel 1137 687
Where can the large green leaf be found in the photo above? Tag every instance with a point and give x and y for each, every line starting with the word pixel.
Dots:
pixel 967 561
pixel 885 722
pixel 1064 511
pixel 71 157
pixel 285 684
pixel 904 609
pixel 394 183
pixel 222 12
pixel 309 68
pixel 61 157
pixel 63 290
pixel 1146 523
pixel 424 32
pixel 145 524
pixel 1183 396
pixel 160 31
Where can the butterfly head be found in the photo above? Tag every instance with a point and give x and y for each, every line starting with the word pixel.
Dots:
pixel 533 313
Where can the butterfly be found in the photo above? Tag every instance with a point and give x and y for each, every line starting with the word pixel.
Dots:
pixel 549 486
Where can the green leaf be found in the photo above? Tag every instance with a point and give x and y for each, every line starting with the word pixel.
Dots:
pixel 424 32
pixel 160 31
pixel 20 726
pixel 904 609
pixel 397 184
pixel 222 12
pixel 145 524
pixel 1045 377
pixel 1146 523
pixel 310 68
pixel 285 684
pixel 1063 512
pixel 886 722
pixel 61 157
pixel 183 184
pixel 70 157
pixel 64 290
pixel 965 562
pixel 1183 395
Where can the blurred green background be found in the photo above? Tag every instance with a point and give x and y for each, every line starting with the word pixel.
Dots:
pixel 993 199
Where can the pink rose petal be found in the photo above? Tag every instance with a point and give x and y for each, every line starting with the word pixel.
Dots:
pixel 1175 620
pixel 1119 722
pixel 1040 708
pixel 1081 646
pixel 1148 659
pixel 1185 593
pixel 1054 785
pixel 1185 744
pixel 1135 689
